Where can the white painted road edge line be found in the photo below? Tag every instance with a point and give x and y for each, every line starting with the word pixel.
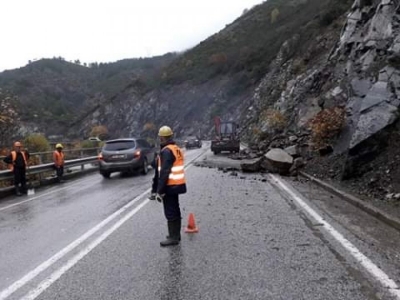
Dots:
pixel 32 274
pixel 71 262
pixel 42 267
pixel 368 265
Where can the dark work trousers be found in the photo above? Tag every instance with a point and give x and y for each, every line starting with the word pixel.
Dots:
pixel 20 178
pixel 60 172
pixel 172 211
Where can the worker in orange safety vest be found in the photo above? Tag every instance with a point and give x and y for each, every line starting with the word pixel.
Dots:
pixel 58 158
pixel 17 162
pixel 168 183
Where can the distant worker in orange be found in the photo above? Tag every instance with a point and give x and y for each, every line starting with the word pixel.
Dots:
pixel 17 162
pixel 58 158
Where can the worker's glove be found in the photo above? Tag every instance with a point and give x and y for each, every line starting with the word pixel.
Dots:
pixel 159 198
pixel 152 196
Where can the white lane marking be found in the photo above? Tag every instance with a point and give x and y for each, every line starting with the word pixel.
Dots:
pixel 71 262
pixel 42 195
pixel 32 274
pixel 44 285
pixel 368 265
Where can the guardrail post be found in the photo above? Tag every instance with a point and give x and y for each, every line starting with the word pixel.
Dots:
pixel 83 165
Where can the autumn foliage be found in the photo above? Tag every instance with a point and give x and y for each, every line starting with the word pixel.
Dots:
pixel 326 125
pixel 218 58
pixel 99 131
pixel 275 120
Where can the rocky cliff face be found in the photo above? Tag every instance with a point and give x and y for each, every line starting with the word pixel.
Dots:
pixel 185 107
pixel 357 71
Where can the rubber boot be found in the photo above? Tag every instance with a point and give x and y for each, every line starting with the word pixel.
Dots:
pixel 179 231
pixel 18 191
pixel 174 234
pixel 23 189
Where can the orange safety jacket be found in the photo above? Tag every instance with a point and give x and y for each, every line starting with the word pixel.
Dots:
pixel 14 157
pixel 58 158
pixel 177 175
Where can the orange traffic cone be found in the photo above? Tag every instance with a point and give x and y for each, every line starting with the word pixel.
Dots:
pixel 191 227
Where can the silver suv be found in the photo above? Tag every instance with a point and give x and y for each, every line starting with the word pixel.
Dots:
pixel 126 155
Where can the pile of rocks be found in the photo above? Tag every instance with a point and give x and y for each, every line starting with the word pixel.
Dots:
pixel 285 161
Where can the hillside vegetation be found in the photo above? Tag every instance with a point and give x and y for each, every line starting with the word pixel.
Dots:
pixel 245 48
pixel 54 93
pixel 51 93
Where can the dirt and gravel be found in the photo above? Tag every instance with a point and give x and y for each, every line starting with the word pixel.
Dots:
pixel 379 185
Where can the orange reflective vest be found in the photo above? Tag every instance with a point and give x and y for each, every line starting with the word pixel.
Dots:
pixel 14 157
pixel 58 158
pixel 177 175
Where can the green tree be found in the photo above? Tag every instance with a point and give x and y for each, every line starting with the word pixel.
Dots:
pixel 36 143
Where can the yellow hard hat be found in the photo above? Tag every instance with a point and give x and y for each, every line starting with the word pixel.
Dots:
pixel 165 131
pixel 17 144
pixel 59 146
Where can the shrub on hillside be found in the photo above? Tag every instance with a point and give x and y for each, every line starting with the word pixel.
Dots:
pixel 99 131
pixel 149 127
pixel 36 143
pixel 274 119
pixel 326 125
pixel 274 15
pixel 150 132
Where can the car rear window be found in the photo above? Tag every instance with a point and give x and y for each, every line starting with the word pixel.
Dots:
pixel 119 145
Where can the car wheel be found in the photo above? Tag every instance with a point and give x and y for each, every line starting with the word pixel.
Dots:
pixel 106 174
pixel 145 167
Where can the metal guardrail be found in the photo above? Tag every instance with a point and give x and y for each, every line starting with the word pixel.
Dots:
pixel 7 174
pixel 47 157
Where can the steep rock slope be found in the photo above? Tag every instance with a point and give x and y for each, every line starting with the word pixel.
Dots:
pixel 356 73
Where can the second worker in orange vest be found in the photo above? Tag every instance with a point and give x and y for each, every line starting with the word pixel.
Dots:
pixel 58 158
pixel 168 182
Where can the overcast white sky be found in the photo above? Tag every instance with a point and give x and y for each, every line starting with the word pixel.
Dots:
pixel 108 30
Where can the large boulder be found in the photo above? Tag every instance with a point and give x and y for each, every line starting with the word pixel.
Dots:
pixel 277 161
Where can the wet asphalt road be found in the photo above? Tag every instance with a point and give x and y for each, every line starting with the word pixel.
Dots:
pixel 99 239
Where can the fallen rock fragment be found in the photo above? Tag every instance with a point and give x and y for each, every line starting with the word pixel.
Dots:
pixel 277 161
